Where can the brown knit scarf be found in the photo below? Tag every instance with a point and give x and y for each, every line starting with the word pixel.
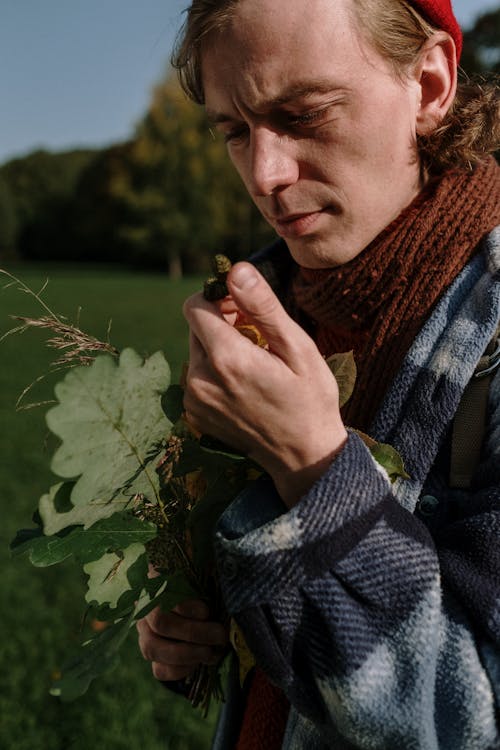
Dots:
pixel 375 305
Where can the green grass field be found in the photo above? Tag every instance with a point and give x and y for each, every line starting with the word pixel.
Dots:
pixel 41 609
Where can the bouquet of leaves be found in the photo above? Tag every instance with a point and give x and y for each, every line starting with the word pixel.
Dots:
pixel 138 492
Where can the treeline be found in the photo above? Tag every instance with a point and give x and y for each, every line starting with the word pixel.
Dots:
pixel 168 198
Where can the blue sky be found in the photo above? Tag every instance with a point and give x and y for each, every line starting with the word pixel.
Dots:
pixel 80 72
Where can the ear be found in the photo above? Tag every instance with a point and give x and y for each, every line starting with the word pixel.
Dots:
pixel 437 76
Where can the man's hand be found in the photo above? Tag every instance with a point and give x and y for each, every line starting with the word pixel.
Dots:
pixel 280 406
pixel 177 642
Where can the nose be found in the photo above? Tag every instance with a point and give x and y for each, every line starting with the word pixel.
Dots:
pixel 273 162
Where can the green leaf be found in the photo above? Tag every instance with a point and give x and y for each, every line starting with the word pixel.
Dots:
pixel 212 446
pixel 108 579
pixel 101 653
pixel 24 538
pixel 343 367
pixel 96 656
pixel 85 515
pixel 172 402
pixel 177 590
pixel 38 546
pixel 221 491
pixel 386 456
pixel 143 596
pixel 108 418
pixel 115 533
pixel 389 458
pixel 202 454
pixel 191 458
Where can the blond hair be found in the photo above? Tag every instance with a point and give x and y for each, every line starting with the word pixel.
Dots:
pixel 470 130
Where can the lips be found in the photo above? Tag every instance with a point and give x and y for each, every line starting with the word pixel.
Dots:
pixel 298 224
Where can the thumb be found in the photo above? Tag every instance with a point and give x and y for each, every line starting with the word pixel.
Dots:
pixel 255 298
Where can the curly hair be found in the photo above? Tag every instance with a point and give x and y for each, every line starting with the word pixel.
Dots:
pixel 469 131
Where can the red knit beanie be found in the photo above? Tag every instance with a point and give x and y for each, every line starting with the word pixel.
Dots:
pixel 440 14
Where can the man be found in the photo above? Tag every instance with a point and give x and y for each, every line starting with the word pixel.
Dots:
pixel 372 610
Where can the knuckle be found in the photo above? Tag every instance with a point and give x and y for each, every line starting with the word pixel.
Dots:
pixel 156 621
pixel 194 391
pixel 147 649
pixel 188 306
pixel 226 366
pixel 195 608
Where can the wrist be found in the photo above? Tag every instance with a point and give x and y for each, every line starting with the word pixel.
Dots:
pixel 295 478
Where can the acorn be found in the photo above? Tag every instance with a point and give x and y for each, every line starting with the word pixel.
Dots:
pixel 214 289
pixel 215 286
pixel 221 265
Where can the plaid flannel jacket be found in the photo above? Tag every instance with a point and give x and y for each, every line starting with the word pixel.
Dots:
pixel 376 607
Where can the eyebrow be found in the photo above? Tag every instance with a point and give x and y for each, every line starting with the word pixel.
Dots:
pixel 299 90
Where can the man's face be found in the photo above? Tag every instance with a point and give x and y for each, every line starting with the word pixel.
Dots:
pixel 319 129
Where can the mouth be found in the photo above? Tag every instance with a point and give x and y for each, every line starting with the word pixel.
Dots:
pixel 296 225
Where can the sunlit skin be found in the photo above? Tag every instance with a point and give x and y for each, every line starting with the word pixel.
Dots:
pixel 324 137
pixel 321 132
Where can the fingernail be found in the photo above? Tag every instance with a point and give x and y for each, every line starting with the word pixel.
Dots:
pixel 244 276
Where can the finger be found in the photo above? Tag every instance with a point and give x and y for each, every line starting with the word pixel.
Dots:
pixel 258 302
pixel 208 325
pixel 228 307
pixel 169 673
pixel 194 609
pixel 171 652
pixel 174 626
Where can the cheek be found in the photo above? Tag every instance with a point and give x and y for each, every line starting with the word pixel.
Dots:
pixel 383 127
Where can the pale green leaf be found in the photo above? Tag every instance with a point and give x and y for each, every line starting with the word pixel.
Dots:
pixel 109 419
pixel 343 367
pixel 57 512
pixel 108 578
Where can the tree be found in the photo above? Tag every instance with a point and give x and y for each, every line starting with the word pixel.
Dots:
pixel 181 197
pixel 41 187
pixel 8 223
pixel 97 215
pixel 481 52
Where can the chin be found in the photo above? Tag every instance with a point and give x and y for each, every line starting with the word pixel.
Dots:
pixel 318 254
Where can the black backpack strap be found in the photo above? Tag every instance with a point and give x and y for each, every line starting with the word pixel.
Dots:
pixel 470 419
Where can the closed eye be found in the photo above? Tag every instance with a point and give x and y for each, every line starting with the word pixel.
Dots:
pixel 284 120
pixel 313 117
pixel 238 133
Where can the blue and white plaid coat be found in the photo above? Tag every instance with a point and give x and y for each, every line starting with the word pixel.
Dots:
pixel 376 612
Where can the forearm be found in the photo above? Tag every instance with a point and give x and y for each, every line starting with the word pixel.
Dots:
pixel 343 596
